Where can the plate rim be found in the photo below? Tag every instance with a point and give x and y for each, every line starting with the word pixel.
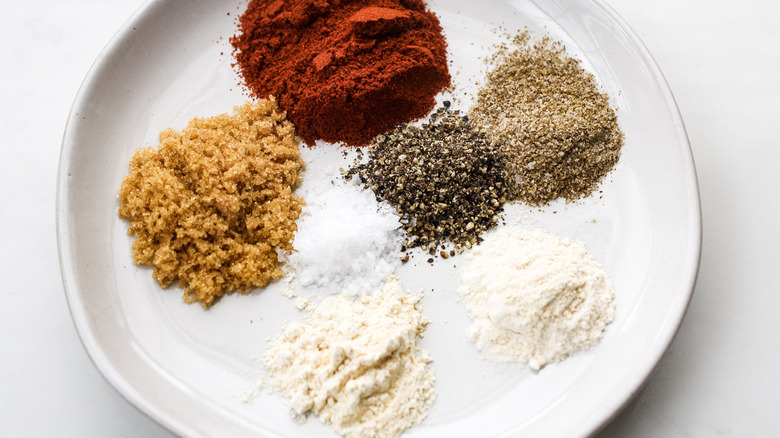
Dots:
pixel 600 417
pixel 690 274
pixel 62 222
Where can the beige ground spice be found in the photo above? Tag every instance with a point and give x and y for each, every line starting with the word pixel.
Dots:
pixel 559 131
pixel 210 206
pixel 356 363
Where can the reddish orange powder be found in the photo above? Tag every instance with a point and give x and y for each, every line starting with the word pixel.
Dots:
pixel 345 71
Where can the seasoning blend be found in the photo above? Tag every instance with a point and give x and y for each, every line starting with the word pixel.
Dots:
pixel 560 135
pixel 214 202
pixel 444 178
pixel 213 207
pixel 534 297
pixel 343 71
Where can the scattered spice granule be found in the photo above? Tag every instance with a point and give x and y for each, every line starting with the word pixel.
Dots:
pixel 559 132
pixel 212 204
pixel 444 178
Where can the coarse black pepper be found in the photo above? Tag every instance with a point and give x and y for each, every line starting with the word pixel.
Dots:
pixel 444 178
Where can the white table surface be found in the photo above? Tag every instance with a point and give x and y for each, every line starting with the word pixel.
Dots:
pixel 719 377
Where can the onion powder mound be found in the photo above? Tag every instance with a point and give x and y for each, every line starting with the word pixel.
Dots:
pixel 346 242
pixel 535 297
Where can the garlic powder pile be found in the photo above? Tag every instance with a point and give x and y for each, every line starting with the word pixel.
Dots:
pixel 345 242
pixel 534 297
pixel 355 363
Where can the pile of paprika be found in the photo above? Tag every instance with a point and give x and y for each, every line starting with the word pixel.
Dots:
pixel 345 71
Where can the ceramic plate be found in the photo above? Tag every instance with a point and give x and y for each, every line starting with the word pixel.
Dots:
pixel 189 369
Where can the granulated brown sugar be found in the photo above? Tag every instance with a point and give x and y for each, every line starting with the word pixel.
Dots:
pixel 212 204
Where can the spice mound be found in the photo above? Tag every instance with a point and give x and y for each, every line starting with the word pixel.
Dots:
pixel 534 297
pixel 355 363
pixel 343 71
pixel 346 241
pixel 211 205
pixel 560 134
pixel 444 178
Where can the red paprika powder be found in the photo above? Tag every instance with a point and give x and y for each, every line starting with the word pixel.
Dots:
pixel 344 70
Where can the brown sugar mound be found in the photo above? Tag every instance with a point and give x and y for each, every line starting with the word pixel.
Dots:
pixel 345 71
pixel 212 204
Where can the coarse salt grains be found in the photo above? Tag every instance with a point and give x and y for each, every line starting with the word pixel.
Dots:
pixel 346 242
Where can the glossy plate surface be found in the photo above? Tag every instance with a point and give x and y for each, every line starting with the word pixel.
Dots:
pixel 189 369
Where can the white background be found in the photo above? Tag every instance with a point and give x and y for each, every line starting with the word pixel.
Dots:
pixel 720 376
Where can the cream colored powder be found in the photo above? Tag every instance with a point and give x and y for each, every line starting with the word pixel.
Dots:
pixel 355 363
pixel 534 297
pixel 251 394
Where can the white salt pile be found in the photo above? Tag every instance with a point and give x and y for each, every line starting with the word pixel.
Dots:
pixel 346 242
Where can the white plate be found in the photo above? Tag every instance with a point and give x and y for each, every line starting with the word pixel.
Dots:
pixel 188 368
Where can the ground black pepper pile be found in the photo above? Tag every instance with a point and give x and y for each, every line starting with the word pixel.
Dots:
pixel 444 179
pixel 557 129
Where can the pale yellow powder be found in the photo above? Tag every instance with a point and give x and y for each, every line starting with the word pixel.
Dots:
pixel 355 363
